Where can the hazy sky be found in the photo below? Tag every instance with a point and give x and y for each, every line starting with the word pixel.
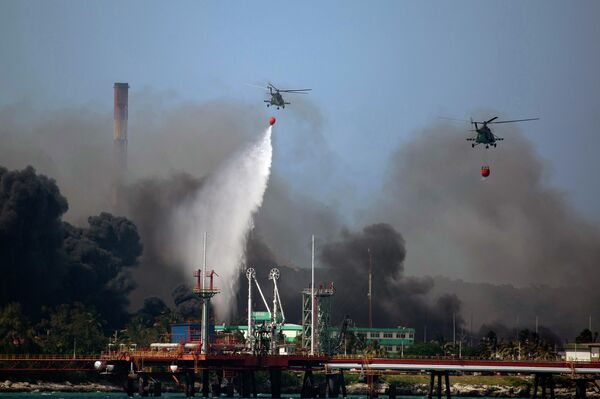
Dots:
pixel 380 71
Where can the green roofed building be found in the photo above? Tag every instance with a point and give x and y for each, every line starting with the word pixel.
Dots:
pixel 392 339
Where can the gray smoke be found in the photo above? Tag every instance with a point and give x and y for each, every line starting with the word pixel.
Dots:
pixel 511 228
pixel 150 202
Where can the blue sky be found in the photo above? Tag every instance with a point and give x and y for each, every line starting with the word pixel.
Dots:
pixel 380 71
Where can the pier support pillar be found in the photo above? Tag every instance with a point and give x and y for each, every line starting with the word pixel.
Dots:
pixel 342 383
pixel 229 388
pixel 143 385
pixel 438 389
pixel 190 380
pixel 205 383
pixel 333 386
pixel 129 387
pixel 544 381
pixel 275 378
pixel 157 389
pixel 216 386
pixel 248 384
pixel 392 391
pixel 308 385
pixel 580 389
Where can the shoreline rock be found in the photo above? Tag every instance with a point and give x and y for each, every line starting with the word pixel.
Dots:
pixel 40 386
pixel 456 390
pixel 466 390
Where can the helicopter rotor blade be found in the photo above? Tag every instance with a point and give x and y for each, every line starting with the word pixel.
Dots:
pixel 491 120
pixel 273 86
pixel 257 86
pixel 517 120
pixel 295 91
pixel 453 119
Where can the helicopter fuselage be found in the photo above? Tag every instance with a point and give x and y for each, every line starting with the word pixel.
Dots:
pixel 276 100
pixel 484 136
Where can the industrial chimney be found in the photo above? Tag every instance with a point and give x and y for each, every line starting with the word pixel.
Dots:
pixel 120 125
pixel 121 100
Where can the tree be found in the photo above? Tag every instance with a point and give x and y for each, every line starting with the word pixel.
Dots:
pixel 71 329
pixel 424 349
pixel 16 334
pixel 584 336
pixel 150 324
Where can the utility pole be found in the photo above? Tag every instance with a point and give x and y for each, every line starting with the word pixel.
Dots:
pixel 536 324
pixel 370 293
pixel 590 323
pixel 471 328
pixel 454 328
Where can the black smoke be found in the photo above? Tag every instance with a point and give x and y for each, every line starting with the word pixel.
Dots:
pixel 46 261
pixel 398 300
pixel 31 236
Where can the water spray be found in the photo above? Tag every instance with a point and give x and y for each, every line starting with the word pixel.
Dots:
pixel 224 206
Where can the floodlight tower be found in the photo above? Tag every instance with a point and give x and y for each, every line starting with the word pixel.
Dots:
pixel 250 274
pixel 275 320
pixel 205 293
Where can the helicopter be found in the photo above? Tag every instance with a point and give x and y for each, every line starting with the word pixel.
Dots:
pixel 276 97
pixel 484 133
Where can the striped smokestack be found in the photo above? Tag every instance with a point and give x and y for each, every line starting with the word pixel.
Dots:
pixel 120 125
pixel 121 100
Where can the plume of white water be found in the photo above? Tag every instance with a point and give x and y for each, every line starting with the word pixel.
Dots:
pixel 224 207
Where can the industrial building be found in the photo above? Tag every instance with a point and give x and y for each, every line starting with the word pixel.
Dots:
pixel 582 352
pixel 392 339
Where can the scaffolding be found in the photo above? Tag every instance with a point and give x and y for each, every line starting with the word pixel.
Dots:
pixel 322 322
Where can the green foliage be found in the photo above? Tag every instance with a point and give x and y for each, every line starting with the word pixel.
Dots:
pixel 424 349
pixel 150 324
pixel 470 351
pixel 586 336
pixel 16 333
pixel 528 346
pixel 374 349
pixel 69 329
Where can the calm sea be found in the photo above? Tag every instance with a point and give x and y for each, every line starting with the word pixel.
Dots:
pixel 100 395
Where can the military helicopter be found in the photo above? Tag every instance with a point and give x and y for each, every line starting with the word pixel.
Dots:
pixel 484 133
pixel 276 97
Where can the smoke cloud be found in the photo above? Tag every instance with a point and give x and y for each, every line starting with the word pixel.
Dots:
pixel 46 261
pixel 512 228
pixel 398 300
pixel 150 203
pixel 435 216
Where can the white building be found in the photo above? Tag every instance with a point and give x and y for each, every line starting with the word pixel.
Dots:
pixel 582 352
